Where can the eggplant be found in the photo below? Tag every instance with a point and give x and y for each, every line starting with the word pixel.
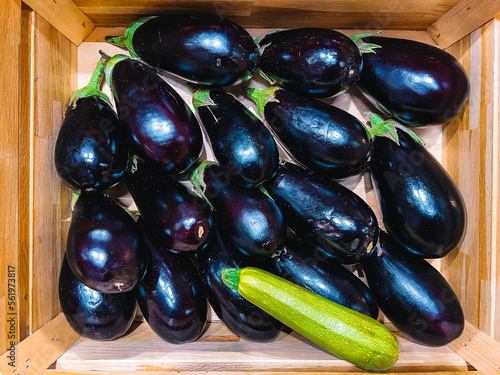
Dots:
pixel 323 213
pixel 322 275
pixel 421 206
pixel 161 127
pixel 93 314
pixel 171 296
pixel 91 150
pixel 199 47
pixel 175 218
pixel 413 295
pixel 248 219
pixel 314 62
pixel 241 143
pixel 105 249
pixel 242 317
pixel 319 136
pixel 413 82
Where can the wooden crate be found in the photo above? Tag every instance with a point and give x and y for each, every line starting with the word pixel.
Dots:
pixel 49 48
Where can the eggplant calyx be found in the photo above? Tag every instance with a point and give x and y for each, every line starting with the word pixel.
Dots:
pixel 261 97
pixel 197 177
pixel 389 128
pixel 260 37
pixel 231 277
pixel 362 45
pixel 266 77
pixel 201 98
pixel 134 213
pixel 93 87
pixel 125 40
pixel 110 64
pixel 263 190
pixel 74 197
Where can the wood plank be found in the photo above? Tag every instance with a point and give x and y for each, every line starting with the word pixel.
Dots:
pixel 462 19
pixel 495 271
pixel 283 372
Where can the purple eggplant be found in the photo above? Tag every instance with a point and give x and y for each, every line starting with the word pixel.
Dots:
pixel 91 150
pixel 413 295
pixel 175 218
pixel 93 314
pixel 201 48
pixel 421 206
pixel 162 128
pixel 413 82
pixel 311 61
pixel 323 213
pixel 319 136
pixel 104 248
pixel 240 141
pixel 248 219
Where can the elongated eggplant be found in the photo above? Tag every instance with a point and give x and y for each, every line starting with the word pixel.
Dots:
pixel 93 314
pixel 162 128
pixel 324 213
pixel 240 141
pixel 171 296
pixel 413 295
pixel 321 137
pixel 413 82
pixel 311 61
pixel 199 47
pixel 240 316
pixel 421 206
pixel 91 150
pixel 321 274
pixel 105 249
pixel 175 218
pixel 249 219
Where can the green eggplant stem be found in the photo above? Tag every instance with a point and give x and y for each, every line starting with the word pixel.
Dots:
pixel 201 98
pixel 93 87
pixel 231 277
pixel 261 97
pixel 362 45
pixel 388 128
pixel 125 40
pixel 118 41
pixel 197 176
pixel 74 198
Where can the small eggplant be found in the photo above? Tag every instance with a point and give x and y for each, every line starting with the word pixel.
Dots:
pixel 413 82
pixel 171 296
pixel 202 48
pixel 93 314
pixel 413 295
pixel 162 128
pixel 321 274
pixel 315 62
pixel 91 150
pixel 324 213
pixel 421 206
pixel 249 219
pixel 240 316
pixel 105 249
pixel 241 143
pixel 319 136
pixel 175 218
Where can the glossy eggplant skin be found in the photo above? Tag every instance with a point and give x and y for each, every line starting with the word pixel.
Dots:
pixel 104 248
pixel 413 82
pixel 91 149
pixel 92 314
pixel 321 274
pixel 162 128
pixel 171 297
pixel 421 206
pixel 323 213
pixel 240 141
pixel 240 316
pixel 249 220
pixel 413 295
pixel 315 62
pixel 201 48
pixel 176 218
pixel 321 137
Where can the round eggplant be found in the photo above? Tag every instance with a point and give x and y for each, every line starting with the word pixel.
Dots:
pixel 413 82
pixel 240 316
pixel 175 218
pixel 311 61
pixel 324 213
pixel 413 295
pixel 161 127
pixel 93 314
pixel 201 48
pixel 105 249
pixel 319 136
pixel 241 143
pixel 249 219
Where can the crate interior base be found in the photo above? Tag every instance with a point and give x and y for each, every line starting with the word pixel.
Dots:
pixel 221 350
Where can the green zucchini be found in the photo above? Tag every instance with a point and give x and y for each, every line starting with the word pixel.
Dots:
pixel 349 335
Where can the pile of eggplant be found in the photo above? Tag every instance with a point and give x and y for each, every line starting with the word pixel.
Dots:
pixel 250 206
